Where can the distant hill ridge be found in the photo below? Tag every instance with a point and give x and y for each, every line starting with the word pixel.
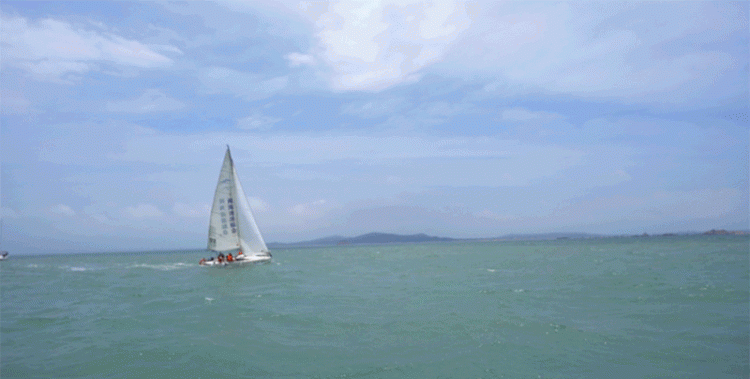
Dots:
pixel 383 238
pixel 369 238
pixel 389 238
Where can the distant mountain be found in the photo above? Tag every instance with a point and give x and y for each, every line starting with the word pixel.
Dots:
pixel 383 238
pixel 370 238
pixel 395 238
pixel 722 232
pixel 546 236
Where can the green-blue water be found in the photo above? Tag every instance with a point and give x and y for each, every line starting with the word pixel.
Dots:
pixel 604 308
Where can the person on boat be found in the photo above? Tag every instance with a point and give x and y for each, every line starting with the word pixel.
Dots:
pixel 230 258
pixel 240 254
pixel 202 262
pixel 220 259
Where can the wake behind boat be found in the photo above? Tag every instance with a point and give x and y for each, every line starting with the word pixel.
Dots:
pixel 232 226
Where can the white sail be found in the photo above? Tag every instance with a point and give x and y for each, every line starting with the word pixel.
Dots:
pixel 222 229
pixel 232 225
pixel 250 238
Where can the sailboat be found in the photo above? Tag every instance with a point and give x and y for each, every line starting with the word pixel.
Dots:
pixel 3 254
pixel 232 227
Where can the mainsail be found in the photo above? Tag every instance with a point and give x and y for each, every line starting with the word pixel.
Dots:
pixel 232 225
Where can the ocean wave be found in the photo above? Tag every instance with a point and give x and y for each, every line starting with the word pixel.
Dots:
pixel 72 268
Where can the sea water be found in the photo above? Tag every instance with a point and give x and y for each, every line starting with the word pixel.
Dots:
pixel 593 308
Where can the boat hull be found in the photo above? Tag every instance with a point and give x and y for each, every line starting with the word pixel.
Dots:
pixel 241 261
pixel 252 259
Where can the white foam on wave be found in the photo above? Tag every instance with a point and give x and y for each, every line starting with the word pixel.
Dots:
pixel 162 266
pixel 71 268
pixel 491 270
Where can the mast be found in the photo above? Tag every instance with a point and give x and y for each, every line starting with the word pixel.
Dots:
pixel 233 195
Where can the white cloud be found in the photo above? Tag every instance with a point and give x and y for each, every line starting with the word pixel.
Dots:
pixel 308 209
pixel 629 51
pixel 374 45
pixel 153 100
pixel 143 210
pixel 53 70
pixel 608 51
pixel 192 210
pixel 297 59
pixel 165 48
pixel 257 121
pixel 50 49
pixel 63 210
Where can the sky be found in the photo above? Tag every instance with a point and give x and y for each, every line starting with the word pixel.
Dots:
pixel 455 119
